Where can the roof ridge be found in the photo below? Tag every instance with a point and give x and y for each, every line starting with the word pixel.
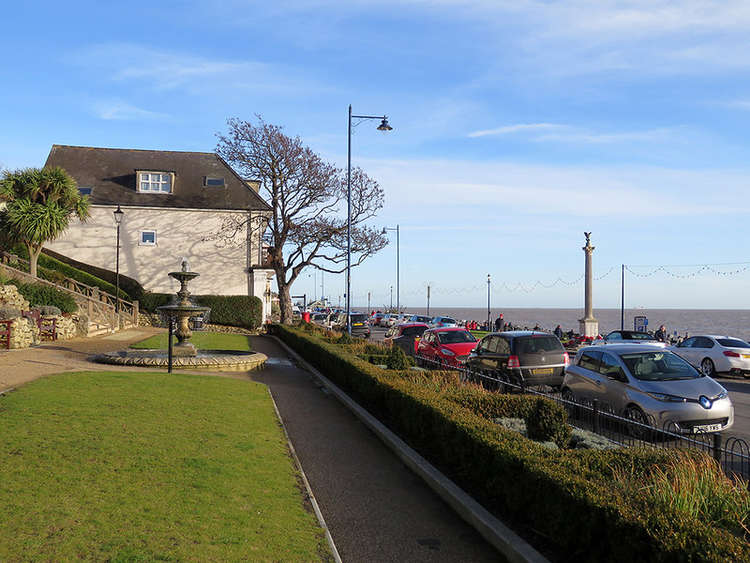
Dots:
pixel 55 146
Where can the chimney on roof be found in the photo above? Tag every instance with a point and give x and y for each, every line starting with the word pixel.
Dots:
pixel 253 184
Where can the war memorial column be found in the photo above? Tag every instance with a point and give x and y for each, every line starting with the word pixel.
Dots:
pixel 588 325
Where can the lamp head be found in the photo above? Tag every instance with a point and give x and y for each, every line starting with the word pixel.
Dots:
pixel 118 213
pixel 384 126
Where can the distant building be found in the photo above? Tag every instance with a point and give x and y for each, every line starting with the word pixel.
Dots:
pixel 176 204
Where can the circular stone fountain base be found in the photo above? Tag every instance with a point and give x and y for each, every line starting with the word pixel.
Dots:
pixel 213 360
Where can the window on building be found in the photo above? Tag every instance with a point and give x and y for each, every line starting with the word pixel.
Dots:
pixel 148 238
pixel 85 190
pixel 213 181
pixel 155 182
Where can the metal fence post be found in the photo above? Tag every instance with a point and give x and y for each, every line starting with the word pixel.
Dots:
pixel 596 416
pixel 717 448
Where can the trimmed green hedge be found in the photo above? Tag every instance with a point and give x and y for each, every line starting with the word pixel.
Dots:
pixel 232 310
pixel 567 496
pixel 56 271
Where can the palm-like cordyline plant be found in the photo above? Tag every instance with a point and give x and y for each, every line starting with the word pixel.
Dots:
pixel 40 203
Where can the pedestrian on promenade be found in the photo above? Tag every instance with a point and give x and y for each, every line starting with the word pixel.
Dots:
pixel 661 334
pixel 558 331
pixel 500 324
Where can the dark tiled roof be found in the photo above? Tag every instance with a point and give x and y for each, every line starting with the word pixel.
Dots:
pixel 112 175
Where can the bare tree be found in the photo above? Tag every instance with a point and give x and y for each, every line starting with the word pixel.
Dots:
pixel 308 196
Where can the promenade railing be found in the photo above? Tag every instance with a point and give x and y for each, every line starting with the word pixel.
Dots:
pixel 730 452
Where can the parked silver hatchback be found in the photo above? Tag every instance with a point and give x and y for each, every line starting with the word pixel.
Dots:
pixel 648 385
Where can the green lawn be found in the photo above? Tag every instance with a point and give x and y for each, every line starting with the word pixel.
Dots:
pixel 202 341
pixel 144 467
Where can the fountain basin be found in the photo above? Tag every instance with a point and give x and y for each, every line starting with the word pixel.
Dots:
pixel 212 360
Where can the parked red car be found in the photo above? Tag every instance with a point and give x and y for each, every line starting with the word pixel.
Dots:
pixel 445 346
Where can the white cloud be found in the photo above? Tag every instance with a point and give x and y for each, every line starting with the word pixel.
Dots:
pixel 520 127
pixel 151 69
pixel 123 111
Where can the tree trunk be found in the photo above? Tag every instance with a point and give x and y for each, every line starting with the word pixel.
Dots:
pixel 33 258
pixel 285 300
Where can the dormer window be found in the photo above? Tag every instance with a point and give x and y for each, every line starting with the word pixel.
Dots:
pixel 155 182
pixel 213 181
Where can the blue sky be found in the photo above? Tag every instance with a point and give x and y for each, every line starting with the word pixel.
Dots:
pixel 517 126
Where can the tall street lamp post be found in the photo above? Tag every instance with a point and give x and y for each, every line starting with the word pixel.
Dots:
pixel 398 275
pixel 488 302
pixel 382 127
pixel 118 213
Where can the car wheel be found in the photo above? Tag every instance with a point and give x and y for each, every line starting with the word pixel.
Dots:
pixel 707 367
pixel 637 415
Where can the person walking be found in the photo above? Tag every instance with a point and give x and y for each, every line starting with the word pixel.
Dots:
pixel 500 324
pixel 558 331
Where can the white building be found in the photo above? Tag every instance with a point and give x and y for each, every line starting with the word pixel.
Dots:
pixel 176 205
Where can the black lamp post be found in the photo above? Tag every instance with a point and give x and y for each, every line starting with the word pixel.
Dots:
pixel 384 126
pixel 118 213
pixel 398 274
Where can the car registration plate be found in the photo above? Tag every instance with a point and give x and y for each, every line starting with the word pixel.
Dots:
pixel 707 428
pixel 746 355
pixel 356 324
pixel 542 371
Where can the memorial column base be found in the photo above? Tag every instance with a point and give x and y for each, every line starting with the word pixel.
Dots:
pixel 588 327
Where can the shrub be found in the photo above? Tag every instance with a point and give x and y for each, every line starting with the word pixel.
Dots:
pixel 150 301
pixel 568 497
pixel 38 295
pixel 234 310
pixel 397 359
pixel 547 421
pixel 345 338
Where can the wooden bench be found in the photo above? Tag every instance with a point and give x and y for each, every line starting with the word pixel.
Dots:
pixel 5 331
pixel 47 327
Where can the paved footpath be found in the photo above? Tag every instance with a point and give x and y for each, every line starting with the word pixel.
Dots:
pixel 376 509
pixel 374 506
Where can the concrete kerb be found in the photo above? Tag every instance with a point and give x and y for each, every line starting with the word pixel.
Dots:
pixel 505 540
pixel 313 501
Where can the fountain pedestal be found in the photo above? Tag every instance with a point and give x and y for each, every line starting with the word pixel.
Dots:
pixel 181 313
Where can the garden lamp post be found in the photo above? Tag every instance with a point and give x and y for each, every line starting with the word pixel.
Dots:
pixel 398 276
pixel 384 126
pixel 118 213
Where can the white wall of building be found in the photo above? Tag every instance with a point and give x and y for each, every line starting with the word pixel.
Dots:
pixel 221 255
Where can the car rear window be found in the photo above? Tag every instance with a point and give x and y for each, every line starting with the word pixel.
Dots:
pixel 455 337
pixel 537 345
pixel 447 320
pixel 733 343
pixel 413 330
pixel 639 336
pixel 358 318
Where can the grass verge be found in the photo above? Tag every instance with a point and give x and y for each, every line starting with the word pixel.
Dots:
pixel 202 341
pixel 143 467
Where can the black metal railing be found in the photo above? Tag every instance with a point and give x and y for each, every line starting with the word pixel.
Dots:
pixel 636 428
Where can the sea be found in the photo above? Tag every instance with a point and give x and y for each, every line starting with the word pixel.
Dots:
pixel 691 321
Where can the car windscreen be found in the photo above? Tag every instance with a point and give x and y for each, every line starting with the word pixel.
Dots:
pixel 455 337
pixel 658 366
pixel 638 336
pixel 526 345
pixel 733 343
pixel 446 320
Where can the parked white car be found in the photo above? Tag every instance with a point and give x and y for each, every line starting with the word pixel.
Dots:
pixel 713 354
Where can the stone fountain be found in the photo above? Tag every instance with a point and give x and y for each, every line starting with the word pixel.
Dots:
pixel 184 353
pixel 182 311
